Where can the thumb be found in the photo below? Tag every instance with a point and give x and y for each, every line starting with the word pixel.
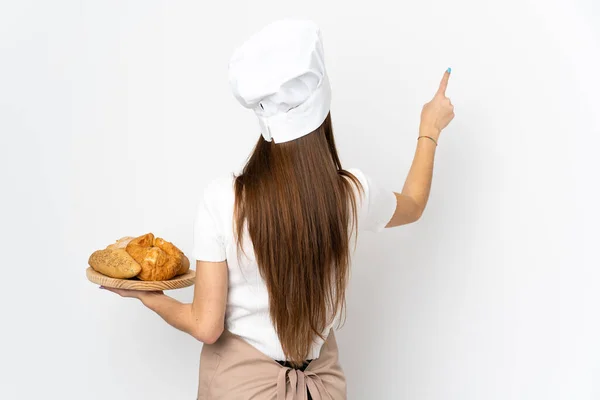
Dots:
pixel 444 82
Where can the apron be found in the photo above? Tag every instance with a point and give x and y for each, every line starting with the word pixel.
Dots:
pixel 232 369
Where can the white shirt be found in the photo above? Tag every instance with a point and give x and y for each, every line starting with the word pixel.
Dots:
pixel 247 313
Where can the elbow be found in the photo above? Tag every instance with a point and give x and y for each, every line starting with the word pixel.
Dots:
pixel 213 336
pixel 418 208
pixel 418 215
pixel 208 335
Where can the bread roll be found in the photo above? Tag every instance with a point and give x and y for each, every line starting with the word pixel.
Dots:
pixel 116 263
pixel 185 266
pixel 182 262
pixel 138 247
pixel 121 243
pixel 160 260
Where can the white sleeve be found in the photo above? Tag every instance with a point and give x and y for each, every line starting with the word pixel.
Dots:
pixel 377 206
pixel 208 241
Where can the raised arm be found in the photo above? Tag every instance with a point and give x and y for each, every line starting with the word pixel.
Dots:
pixel 436 115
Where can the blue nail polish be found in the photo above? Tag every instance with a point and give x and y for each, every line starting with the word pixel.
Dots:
pixel 449 70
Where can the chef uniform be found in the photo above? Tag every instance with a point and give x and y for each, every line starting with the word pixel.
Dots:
pixel 279 73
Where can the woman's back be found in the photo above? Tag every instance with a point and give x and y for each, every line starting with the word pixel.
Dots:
pixel 248 314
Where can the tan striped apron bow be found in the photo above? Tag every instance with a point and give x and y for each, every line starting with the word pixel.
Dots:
pixel 232 369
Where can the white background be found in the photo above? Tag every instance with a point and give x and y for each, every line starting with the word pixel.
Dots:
pixel 115 114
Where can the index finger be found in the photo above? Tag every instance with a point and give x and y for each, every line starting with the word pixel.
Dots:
pixel 444 82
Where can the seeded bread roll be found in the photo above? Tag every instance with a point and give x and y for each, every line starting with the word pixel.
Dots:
pixel 116 263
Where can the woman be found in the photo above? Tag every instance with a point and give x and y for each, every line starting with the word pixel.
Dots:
pixel 273 244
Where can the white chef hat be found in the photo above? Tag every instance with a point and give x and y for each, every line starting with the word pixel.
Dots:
pixel 279 72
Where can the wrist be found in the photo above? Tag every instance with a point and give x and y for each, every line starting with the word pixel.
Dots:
pixel 427 139
pixel 429 131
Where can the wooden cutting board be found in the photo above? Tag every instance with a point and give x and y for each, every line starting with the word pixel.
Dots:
pixel 178 282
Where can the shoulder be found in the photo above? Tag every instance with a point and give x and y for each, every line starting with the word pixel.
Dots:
pixel 217 195
pixel 218 188
pixel 219 185
pixel 215 203
pixel 379 201
pixel 358 173
pixel 362 178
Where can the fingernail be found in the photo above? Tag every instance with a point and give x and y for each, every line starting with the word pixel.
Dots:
pixel 101 287
pixel 449 70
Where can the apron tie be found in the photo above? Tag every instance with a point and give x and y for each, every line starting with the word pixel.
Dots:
pixel 300 382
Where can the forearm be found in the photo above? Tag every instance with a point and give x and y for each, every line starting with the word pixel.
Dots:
pixel 418 181
pixel 175 313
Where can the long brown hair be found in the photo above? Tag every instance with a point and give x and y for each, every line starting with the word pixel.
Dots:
pixel 300 211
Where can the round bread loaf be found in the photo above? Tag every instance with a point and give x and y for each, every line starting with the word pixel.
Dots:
pixel 160 260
